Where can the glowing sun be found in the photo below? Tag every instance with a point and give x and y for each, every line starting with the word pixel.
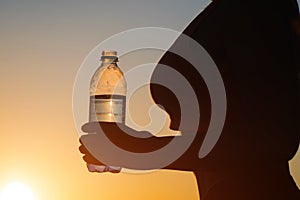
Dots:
pixel 16 191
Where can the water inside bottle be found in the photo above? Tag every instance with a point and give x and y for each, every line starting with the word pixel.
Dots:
pixel 108 108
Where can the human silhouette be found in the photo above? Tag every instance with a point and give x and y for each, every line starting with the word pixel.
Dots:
pixel 255 45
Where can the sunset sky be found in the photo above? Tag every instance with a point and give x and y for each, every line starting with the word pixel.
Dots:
pixel 42 45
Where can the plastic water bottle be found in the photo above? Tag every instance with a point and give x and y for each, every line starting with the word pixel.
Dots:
pixel 108 91
pixel 107 98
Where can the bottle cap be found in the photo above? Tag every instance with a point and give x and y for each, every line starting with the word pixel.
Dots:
pixel 109 54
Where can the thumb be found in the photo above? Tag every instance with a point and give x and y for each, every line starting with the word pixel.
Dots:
pixel 90 127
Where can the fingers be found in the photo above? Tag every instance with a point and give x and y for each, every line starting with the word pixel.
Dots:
pixel 102 169
pixel 95 165
pixel 90 127
pixel 82 149
pixel 95 168
pixel 106 127
pixel 89 159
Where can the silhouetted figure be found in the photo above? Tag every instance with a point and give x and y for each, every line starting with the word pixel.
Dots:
pixel 255 45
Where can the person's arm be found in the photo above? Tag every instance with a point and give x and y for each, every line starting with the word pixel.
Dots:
pixel 129 140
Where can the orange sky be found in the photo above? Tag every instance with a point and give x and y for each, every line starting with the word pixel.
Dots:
pixel 41 48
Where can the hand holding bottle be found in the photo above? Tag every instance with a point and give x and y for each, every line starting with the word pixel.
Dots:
pixel 120 135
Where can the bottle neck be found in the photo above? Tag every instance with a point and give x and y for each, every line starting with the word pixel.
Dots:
pixel 106 62
pixel 109 59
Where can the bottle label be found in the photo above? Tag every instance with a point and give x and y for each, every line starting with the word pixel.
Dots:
pixel 107 108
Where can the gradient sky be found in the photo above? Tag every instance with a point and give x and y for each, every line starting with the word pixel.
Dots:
pixel 42 44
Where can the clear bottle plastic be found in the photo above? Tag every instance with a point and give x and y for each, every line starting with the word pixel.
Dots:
pixel 107 98
pixel 108 91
